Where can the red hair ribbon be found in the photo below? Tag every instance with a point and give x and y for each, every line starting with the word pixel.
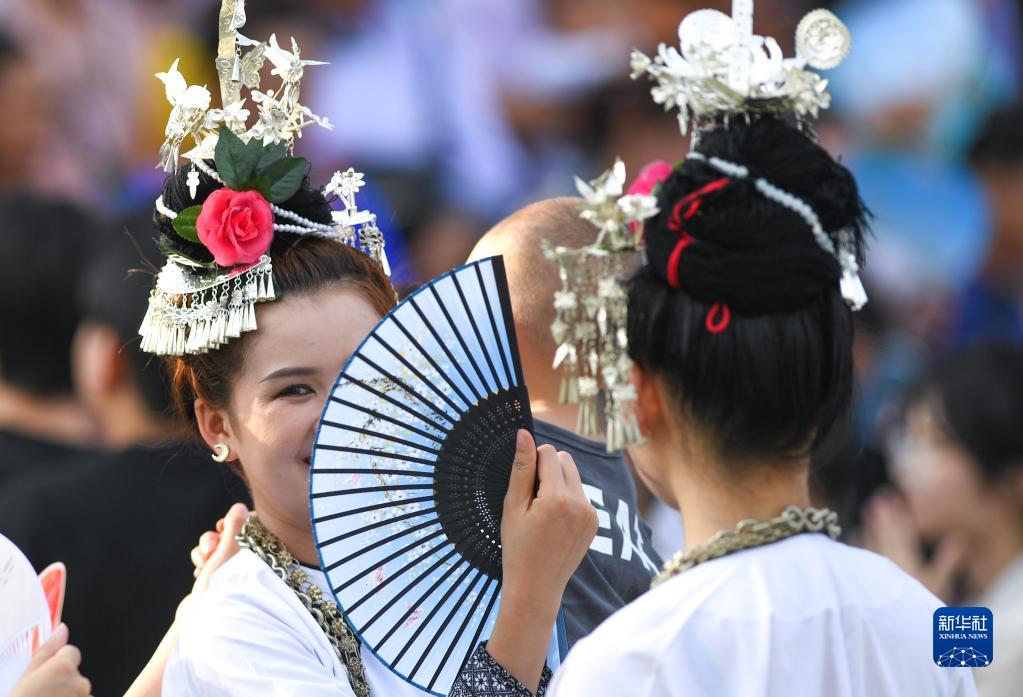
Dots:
pixel 691 202
pixel 715 323
pixel 683 211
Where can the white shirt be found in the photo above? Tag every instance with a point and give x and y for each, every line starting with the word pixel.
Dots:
pixel 1005 600
pixel 250 635
pixel 804 617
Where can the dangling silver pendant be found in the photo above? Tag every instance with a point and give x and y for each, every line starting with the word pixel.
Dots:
pixel 193 182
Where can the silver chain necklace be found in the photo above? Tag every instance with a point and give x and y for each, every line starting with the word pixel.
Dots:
pixel 265 545
pixel 751 533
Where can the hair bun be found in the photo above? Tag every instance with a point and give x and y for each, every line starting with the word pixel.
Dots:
pixel 721 240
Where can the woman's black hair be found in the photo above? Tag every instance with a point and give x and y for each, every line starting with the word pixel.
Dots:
pixel 307 202
pixel 779 377
pixel 977 394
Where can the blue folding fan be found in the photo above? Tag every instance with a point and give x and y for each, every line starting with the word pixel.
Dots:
pixel 409 473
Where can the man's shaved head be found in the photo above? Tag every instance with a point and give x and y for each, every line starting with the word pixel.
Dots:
pixel 532 279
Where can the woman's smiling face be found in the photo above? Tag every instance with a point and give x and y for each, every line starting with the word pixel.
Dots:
pixel 290 365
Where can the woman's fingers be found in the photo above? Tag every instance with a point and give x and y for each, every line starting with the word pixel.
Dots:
pixel 198 560
pixel 548 468
pixel 570 473
pixel 226 547
pixel 52 645
pixel 234 520
pixel 523 473
pixel 70 656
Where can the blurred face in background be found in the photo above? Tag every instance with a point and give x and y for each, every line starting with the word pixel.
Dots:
pixel 946 489
pixel 22 115
pixel 1004 185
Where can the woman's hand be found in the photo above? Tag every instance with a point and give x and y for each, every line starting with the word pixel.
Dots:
pixel 543 539
pixel 53 671
pixel 890 530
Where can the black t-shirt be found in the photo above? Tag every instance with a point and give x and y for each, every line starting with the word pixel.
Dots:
pixel 124 525
pixel 621 561
pixel 25 458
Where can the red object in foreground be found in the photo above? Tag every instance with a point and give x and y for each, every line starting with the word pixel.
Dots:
pixel 54 581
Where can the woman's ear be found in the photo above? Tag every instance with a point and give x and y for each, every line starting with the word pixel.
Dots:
pixel 649 407
pixel 215 428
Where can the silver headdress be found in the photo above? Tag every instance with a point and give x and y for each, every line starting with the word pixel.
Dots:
pixel 722 68
pixel 721 71
pixel 591 307
pixel 199 305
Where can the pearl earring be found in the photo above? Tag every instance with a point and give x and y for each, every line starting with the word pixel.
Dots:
pixel 220 452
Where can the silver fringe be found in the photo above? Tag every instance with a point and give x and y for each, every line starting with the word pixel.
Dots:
pixel 184 318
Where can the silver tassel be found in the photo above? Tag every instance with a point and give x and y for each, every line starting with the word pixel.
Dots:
pixel 234 322
pixel 270 294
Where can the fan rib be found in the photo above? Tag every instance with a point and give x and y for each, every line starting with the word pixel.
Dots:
pixel 493 325
pixel 479 335
pixel 373 526
pixel 392 400
pixel 381 436
pixel 444 625
pixel 415 371
pixel 397 574
pixel 480 627
pixel 504 298
pixel 370 490
pixel 415 342
pixel 436 608
pixel 381 453
pixel 444 347
pixel 368 509
pixel 389 558
pixel 385 417
pixel 429 591
pixel 461 630
pixel 389 473
pixel 458 335
pixel 403 385
pixel 385 541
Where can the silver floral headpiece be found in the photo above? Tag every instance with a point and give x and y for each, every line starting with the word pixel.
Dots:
pixel 723 69
pixel 198 305
pixel 591 308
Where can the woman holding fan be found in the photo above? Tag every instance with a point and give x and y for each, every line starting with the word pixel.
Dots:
pixel 265 294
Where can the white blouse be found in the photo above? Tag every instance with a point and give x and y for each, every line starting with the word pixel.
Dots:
pixel 250 635
pixel 804 617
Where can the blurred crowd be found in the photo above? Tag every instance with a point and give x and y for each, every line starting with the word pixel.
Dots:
pixel 459 112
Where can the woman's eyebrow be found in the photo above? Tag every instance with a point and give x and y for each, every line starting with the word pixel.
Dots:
pixel 291 372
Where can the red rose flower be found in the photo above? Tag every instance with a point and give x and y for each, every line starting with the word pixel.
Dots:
pixel 236 226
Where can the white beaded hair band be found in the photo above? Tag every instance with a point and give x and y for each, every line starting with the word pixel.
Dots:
pixel 305 226
pixel 851 286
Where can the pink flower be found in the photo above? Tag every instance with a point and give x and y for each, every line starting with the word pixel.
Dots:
pixel 650 176
pixel 236 226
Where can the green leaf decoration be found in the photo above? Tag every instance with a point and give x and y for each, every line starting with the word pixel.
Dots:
pixel 269 156
pixel 285 176
pixel 184 224
pixel 235 160
pixel 260 183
